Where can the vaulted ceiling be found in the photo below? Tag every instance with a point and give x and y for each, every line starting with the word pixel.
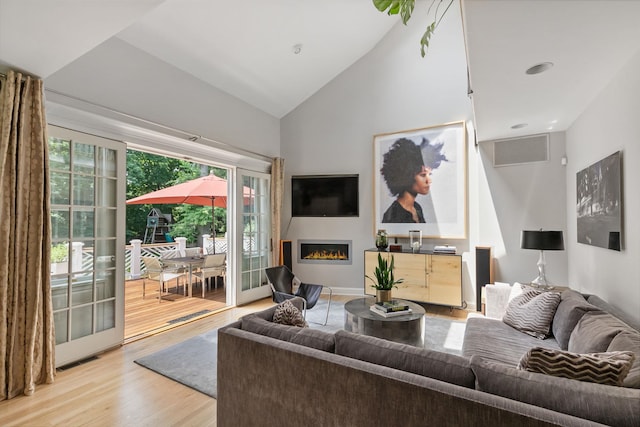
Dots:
pixel 248 49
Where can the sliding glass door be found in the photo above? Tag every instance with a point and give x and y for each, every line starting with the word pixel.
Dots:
pixel 88 181
pixel 253 216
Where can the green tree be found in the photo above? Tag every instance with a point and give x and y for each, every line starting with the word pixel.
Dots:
pixel 149 172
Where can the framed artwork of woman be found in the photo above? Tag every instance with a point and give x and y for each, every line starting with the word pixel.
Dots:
pixel 420 181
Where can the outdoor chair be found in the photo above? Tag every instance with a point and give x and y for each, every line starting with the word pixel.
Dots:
pixel 192 252
pixel 158 272
pixel 214 266
pixel 282 282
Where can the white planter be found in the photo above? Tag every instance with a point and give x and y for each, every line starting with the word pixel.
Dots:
pixel 60 267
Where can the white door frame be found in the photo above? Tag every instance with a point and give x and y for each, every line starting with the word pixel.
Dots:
pixel 96 342
pixel 253 252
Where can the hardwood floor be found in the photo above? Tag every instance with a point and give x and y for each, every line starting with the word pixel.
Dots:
pixel 145 316
pixel 111 390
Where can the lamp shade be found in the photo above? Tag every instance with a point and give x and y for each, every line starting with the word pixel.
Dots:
pixel 542 240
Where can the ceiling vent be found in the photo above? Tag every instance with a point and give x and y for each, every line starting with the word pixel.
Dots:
pixel 517 151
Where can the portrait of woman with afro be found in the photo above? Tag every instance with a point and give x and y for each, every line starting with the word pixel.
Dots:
pixel 406 169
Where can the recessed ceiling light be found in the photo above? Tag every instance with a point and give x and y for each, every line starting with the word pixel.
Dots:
pixel 540 68
pixel 519 126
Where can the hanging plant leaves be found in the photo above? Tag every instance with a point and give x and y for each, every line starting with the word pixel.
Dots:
pixel 424 41
pixel 405 8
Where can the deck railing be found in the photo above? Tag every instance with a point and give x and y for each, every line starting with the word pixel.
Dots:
pixel 134 267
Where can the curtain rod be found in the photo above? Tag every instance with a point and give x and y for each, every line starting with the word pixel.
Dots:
pixel 24 76
pixel 189 135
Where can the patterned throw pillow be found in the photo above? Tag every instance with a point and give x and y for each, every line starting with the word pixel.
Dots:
pixel 532 312
pixel 287 314
pixel 602 368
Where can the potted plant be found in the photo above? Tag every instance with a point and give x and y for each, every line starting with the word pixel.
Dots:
pixel 59 258
pixel 384 279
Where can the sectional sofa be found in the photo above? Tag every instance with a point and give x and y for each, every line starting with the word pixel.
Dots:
pixel 271 374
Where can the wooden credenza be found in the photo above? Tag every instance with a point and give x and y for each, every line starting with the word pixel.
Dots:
pixel 428 277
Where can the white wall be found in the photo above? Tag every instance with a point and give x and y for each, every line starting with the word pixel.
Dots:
pixel 118 76
pixel 609 125
pixel 390 89
pixel 528 196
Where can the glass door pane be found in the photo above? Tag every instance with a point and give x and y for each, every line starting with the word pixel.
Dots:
pixel 254 218
pixel 87 254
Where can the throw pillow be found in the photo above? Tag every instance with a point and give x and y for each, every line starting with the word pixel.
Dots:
pixel 570 310
pixel 602 368
pixel 532 312
pixel 629 341
pixel 287 314
pixel 594 332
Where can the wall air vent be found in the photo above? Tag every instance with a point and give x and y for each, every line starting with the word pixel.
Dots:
pixel 525 149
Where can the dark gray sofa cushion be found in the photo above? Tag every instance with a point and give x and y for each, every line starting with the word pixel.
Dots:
pixel 258 325
pixel 594 332
pixel 629 341
pixel 495 340
pixel 570 310
pixel 601 403
pixel 442 366
pixel 314 338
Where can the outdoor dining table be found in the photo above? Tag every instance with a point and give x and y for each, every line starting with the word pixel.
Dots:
pixel 191 261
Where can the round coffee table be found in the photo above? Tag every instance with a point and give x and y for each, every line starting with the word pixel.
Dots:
pixel 407 329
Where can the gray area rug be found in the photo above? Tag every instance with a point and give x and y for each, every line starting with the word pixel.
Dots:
pixel 193 362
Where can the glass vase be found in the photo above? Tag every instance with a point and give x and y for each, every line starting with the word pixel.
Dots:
pixel 415 240
pixel 381 240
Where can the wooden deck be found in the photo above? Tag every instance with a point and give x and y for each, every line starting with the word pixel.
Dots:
pixel 145 317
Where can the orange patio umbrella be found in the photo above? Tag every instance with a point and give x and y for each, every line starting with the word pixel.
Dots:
pixel 204 191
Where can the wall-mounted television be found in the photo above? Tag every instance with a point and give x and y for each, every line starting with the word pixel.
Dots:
pixel 324 195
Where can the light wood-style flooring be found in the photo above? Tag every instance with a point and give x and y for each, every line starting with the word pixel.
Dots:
pixel 112 390
pixel 146 316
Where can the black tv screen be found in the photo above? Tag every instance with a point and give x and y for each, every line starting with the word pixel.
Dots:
pixel 324 195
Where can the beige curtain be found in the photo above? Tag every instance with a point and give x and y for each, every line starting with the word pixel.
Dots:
pixel 27 340
pixel 277 188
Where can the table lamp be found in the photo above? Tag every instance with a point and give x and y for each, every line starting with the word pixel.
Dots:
pixel 542 241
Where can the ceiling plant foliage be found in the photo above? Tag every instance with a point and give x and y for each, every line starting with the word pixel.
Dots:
pixel 405 9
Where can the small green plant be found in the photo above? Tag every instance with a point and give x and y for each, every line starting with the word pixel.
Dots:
pixel 59 253
pixel 384 280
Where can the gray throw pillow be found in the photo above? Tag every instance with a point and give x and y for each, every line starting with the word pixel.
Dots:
pixel 532 312
pixel 570 310
pixel 594 332
pixel 287 314
pixel 629 341
pixel 603 368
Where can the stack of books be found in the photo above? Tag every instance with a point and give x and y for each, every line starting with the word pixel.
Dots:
pixel 391 308
pixel 444 250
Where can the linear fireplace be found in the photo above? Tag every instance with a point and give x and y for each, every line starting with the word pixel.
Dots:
pixel 324 251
